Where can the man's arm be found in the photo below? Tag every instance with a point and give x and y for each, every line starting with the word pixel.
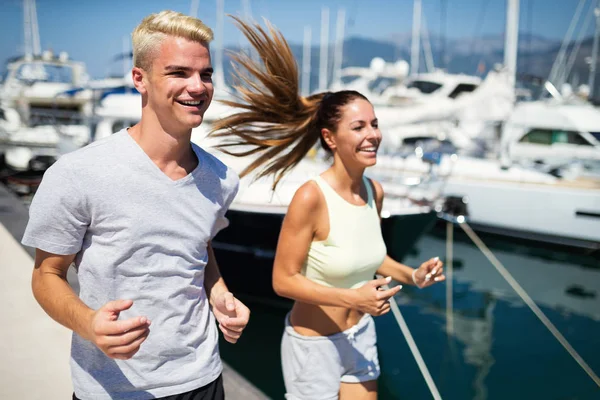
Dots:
pixel 231 313
pixel 119 339
pixel 55 295
pixel 213 281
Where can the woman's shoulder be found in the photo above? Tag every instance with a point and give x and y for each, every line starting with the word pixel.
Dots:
pixel 308 196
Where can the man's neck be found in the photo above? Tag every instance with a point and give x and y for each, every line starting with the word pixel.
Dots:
pixel 172 153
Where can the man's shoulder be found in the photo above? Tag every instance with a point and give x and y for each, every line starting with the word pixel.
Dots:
pixel 94 152
pixel 88 163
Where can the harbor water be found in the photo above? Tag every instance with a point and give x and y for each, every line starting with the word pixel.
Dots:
pixel 497 349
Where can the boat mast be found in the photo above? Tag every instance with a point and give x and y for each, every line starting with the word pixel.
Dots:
pixel 323 61
pixel 35 32
pixel 416 38
pixel 594 62
pixel 194 5
pixel 339 45
pixel 27 29
pixel 305 84
pixel 219 74
pixel 511 40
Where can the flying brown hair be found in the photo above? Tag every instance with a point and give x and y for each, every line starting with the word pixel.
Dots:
pixel 274 121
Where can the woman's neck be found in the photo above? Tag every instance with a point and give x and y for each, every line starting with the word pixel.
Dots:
pixel 346 179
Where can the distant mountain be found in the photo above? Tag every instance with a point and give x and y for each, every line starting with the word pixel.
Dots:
pixel 536 55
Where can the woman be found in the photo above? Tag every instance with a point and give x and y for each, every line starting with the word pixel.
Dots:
pixel 330 245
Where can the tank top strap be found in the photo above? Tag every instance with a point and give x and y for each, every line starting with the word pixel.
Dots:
pixel 370 195
pixel 327 191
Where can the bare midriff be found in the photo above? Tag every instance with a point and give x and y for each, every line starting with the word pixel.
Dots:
pixel 314 320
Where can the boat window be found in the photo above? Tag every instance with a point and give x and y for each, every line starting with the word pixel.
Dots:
pixel 38 72
pixel 425 87
pixel 538 136
pixel 548 137
pixel 576 138
pixel 462 88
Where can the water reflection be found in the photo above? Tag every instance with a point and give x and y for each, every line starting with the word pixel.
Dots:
pixel 498 348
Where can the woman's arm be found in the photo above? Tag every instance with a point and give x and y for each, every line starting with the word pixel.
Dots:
pixel 430 272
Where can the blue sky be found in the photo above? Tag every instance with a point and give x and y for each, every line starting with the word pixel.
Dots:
pixel 93 31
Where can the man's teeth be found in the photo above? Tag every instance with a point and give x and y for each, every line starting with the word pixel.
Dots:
pixel 191 103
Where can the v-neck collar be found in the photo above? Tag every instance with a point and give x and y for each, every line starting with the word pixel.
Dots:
pixel 156 170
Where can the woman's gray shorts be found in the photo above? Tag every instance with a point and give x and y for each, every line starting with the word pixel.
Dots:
pixel 314 366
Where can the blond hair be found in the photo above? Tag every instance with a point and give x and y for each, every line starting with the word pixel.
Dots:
pixel 276 123
pixel 153 29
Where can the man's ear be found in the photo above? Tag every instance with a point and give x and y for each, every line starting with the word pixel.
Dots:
pixel 329 138
pixel 138 76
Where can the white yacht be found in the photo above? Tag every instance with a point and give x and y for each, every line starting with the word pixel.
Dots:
pixel 428 87
pixel 40 89
pixel 552 133
pixel 42 107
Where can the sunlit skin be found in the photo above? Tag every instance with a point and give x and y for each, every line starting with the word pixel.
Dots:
pixel 354 145
pixel 178 88
pixel 357 138
pixel 176 91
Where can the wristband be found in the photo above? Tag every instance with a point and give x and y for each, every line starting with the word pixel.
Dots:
pixel 414 280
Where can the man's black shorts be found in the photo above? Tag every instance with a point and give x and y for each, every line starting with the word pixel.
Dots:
pixel 212 391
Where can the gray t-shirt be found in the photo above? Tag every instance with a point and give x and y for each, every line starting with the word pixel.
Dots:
pixel 138 235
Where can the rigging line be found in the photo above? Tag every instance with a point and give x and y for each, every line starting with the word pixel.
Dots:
pixel 413 348
pixel 563 48
pixel 529 301
pixel 427 46
pixel 449 278
pixel 574 51
pixel 443 20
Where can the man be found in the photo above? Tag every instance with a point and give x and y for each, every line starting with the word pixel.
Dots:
pixel 136 213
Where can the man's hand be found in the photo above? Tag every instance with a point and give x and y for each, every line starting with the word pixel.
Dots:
pixel 232 316
pixel 118 339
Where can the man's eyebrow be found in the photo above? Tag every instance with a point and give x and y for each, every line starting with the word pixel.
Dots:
pixel 182 68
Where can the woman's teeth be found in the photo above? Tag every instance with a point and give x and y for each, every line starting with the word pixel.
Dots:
pixel 369 149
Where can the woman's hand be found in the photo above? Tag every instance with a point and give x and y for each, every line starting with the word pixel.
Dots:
pixel 373 299
pixel 430 272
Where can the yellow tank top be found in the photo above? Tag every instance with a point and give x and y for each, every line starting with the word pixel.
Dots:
pixel 354 249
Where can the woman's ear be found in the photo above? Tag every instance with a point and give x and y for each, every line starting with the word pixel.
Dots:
pixel 329 138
